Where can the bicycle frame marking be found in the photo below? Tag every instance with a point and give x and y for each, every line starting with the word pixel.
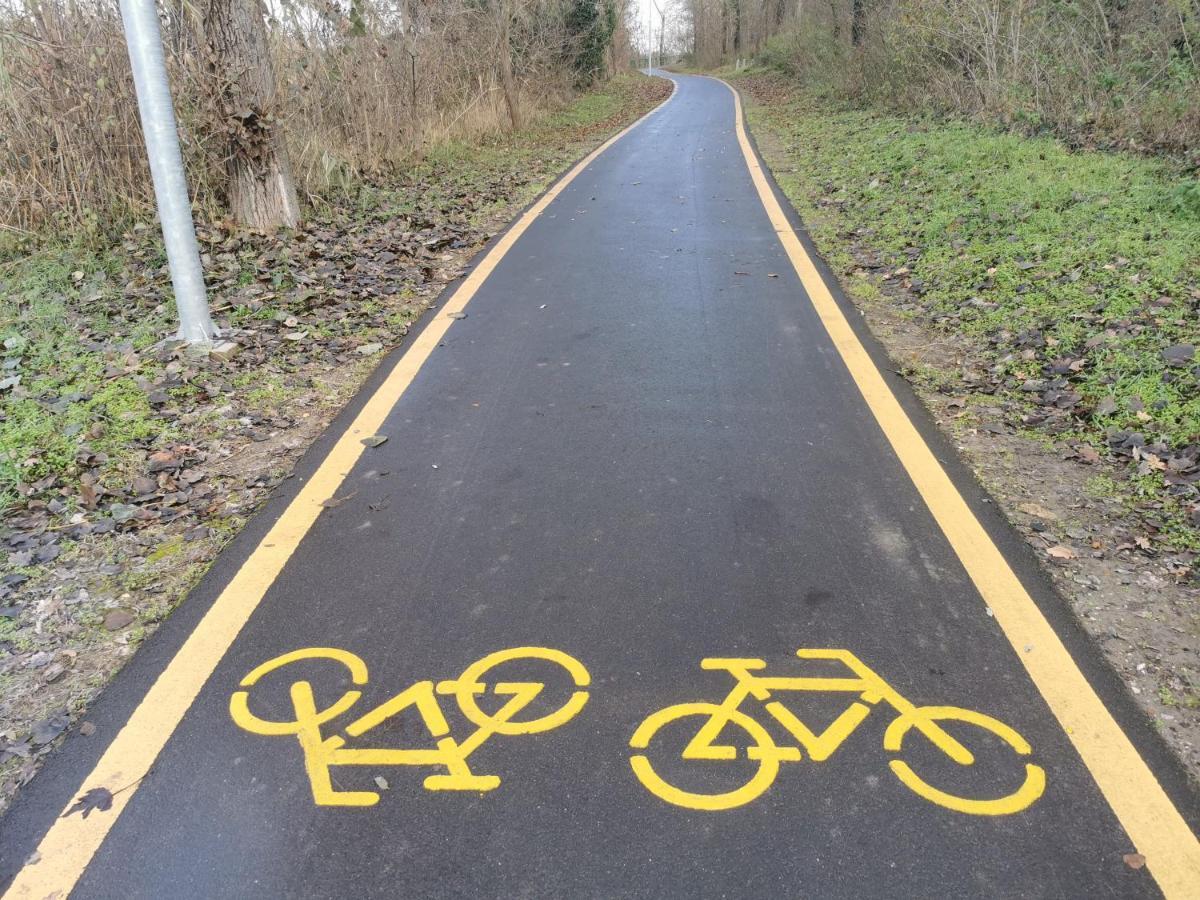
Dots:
pixel 872 690
pixel 321 753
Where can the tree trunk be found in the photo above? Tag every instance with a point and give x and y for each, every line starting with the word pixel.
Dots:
pixel 261 191
pixel 858 22
pixel 511 100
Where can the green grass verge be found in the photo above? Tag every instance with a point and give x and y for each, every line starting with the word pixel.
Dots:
pixel 1056 264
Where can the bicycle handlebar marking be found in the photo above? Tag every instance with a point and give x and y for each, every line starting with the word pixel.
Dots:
pixel 871 689
pixel 322 753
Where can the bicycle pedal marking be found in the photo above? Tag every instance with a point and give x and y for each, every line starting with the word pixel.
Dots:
pixel 755 743
pixel 322 752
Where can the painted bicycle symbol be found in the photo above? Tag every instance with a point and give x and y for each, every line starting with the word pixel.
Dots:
pixel 321 753
pixel 759 746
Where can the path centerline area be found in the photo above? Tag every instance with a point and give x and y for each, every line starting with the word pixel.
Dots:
pixel 656 454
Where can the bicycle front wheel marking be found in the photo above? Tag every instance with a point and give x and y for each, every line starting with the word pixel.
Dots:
pixel 1032 787
pixel 760 747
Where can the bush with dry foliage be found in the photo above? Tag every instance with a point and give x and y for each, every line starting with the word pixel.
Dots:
pixel 1124 71
pixel 361 87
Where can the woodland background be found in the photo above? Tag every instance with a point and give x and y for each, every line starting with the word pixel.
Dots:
pixel 330 92
pixel 1117 72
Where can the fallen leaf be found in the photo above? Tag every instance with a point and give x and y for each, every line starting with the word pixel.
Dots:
pixel 1061 551
pixel 1179 354
pixel 118 619
pixel 334 502
pixel 381 782
pixel 1037 511
pixel 48 729
pixel 143 485
pixel 164 460
pixel 1134 860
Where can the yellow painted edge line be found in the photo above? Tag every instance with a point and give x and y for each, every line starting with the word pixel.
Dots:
pixel 1152 822
pixel 67 848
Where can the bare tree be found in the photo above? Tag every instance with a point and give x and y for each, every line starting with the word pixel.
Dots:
pixel 858 21
pixel 505 11
pixel 261 191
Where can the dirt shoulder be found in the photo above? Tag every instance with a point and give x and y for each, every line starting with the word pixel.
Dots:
pixel 1043 304
pixel 127 464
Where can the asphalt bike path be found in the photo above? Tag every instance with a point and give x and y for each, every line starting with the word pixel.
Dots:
pixel 660 585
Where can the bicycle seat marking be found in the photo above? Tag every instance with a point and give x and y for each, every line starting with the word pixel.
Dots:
pixel 321 752
pixel 760 747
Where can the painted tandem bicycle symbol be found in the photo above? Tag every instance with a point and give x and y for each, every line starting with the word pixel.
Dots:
pixel 759 746
pixel 321 753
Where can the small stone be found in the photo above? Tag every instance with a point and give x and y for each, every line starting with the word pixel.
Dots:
pixel 87 729
pixel 224 350
pixel 368 349
pixel 53 673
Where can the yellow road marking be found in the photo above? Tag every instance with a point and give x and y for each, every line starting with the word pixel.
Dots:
pixel 323 753
pixel 1152 822
pixel 69 845
pixel 872 691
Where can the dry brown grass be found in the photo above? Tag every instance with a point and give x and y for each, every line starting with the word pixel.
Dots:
pixel 360 97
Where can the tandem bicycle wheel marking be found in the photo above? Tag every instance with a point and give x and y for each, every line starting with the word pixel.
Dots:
pixel 322 753
pixel 754 742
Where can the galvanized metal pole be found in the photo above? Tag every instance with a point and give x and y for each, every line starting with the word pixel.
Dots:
pixel 650 38
pixel 144 40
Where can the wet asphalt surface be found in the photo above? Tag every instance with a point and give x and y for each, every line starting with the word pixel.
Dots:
pixel 640 449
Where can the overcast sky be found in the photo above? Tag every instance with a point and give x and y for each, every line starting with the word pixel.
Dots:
pixel 643 8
